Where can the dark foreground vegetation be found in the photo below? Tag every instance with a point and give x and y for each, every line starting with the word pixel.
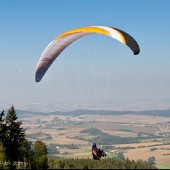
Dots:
pixel 16 152
pixel 102 164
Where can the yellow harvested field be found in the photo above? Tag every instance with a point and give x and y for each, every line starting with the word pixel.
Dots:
pixel 145 153
pixel 138 144
pixel 162 153
pixel 129 118
pixel 48 131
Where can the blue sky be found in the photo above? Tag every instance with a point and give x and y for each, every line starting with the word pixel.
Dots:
pixel 93 70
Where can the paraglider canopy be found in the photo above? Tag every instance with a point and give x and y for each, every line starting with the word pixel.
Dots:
pixel 63 40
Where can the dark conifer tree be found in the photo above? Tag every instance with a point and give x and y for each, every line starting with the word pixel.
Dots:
pixel 2 128
pixel 14 137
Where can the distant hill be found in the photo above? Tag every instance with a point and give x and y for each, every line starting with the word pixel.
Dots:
pixel 22 113
pixel 107 112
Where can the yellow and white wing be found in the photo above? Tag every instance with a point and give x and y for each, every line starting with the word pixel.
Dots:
pixel 63 40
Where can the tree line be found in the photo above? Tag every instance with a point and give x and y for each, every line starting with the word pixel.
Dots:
pixel 109 163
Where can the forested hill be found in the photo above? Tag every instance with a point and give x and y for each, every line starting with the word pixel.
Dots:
pixel 165 113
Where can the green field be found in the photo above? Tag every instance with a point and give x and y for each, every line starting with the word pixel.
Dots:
pixel 163 166
pixel 111 155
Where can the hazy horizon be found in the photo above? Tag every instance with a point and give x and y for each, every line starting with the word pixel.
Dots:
pixel 112 106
